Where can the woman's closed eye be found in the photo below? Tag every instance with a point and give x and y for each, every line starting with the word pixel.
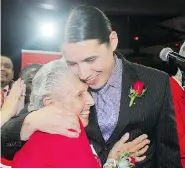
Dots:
pixel 80 95
pixel 71 64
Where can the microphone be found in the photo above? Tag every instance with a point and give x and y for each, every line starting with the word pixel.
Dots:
pixel 168 53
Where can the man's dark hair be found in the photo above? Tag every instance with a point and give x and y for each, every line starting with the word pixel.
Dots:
pixel 27 74
pixel 87 23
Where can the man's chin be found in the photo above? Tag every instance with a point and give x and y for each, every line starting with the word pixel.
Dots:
pixel 97 86
pixel 3 83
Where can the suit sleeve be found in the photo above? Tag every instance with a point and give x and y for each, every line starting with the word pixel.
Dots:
pixel 10 135
pixel 168 152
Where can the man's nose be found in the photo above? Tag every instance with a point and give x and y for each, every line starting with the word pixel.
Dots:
pixel 83 72
pixel 2 67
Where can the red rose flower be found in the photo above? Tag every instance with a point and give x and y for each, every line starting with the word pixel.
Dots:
pixel 138 90
pixel 138 87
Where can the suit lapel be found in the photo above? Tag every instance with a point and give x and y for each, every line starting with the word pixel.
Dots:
pixel 129 76
pixel 93 130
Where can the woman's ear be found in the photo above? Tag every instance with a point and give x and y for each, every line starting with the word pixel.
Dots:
pixel 47 101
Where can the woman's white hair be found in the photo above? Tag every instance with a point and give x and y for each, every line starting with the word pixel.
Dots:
pixel 47 81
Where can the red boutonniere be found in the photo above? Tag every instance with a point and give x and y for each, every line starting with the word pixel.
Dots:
pixel 137 90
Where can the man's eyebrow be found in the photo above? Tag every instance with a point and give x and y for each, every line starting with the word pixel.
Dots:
pixel 90 58
pixel 85 60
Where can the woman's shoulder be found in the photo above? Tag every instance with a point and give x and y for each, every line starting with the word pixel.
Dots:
pixel 42 135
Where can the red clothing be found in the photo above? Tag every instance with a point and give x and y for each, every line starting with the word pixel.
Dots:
pixel 5 162
pixel 4 94
pixel 45 150
pixel 178 95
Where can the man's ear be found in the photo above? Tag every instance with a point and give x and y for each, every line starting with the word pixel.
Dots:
pixel 113 40
pixel 47 101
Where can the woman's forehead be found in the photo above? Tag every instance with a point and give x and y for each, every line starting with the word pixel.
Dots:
pixel 72 83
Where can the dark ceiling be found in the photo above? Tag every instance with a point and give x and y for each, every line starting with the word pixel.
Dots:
pixel 155 22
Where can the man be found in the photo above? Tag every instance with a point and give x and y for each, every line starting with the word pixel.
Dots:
pixel 89 52
pixel 178 86
pixel 7 75
pixel 27 75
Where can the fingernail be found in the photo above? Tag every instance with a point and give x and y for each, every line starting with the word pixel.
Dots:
pixel 126 135
pixel 145 135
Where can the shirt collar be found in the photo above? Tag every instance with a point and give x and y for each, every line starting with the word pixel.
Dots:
pixel 6 88
pixel 115 78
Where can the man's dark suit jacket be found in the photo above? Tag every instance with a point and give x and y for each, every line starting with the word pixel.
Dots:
pixel 152 114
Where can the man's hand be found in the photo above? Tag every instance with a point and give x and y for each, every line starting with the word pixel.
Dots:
pixel 51 120
pixel 138 147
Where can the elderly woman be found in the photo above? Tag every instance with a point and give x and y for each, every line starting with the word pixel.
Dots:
pixel 55 85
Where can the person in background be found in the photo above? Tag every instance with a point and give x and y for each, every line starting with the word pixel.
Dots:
pixel 11 108
pixel 177 82
pixel 18 98
pixel 19 93
pixel 7 75
pixel 27 74
pixel 12 102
